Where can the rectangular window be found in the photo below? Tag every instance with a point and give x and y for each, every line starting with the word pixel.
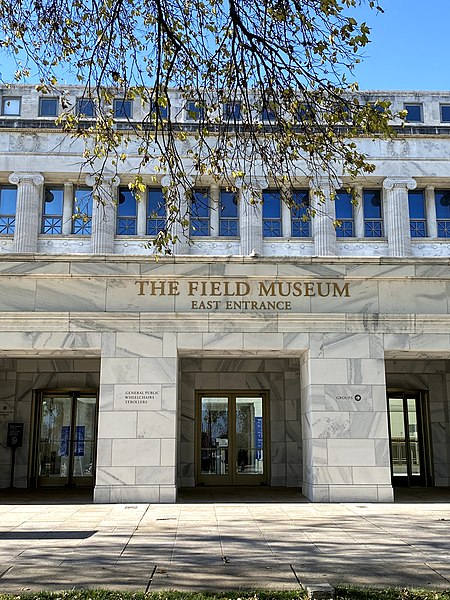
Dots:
pixel 344 214
pixel 445 113
pixel 200 213
pixel 228 214
pixel 271 213
pixel 11 106
pixel 417 214
pixel 8 199
pixel 85 107
pixel 194 112
pixel 442 198
pixel 48 107
pixel 126 212
pixel 300 214
pixel 414 113
pixel 232 111
pixel 82 211
pixel 159 111
pixel 268 112
pixel 52 212
pixel 123 109
pixel 373 217
pixel 156 211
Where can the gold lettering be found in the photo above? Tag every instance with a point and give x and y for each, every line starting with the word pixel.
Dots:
pixel 309 288
pixel 341 292
pixel 319 289
pixel 266 290
pixel 192 287
pixel 215 288
pixel 141 287
pixel 297 289
pixel 173 288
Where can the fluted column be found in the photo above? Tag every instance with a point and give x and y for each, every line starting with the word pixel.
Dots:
pixel 68 208
pixel 104 213
pixel 397 214
pixel 177 230
pixel 29 196
pixel 324 232
pixel 430 207
pixel 250 216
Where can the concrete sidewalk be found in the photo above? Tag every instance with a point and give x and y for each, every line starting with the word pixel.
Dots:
pixel 221 545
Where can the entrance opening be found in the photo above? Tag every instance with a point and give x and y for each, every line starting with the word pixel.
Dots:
pixel 231 438
pixel 408 439
pixel 65 438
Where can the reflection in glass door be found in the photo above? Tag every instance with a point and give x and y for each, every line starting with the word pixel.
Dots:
pixel 407 437
pixel 231 439
pixel 66 438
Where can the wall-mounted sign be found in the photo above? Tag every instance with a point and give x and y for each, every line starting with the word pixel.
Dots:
pixel 6 410
pixel 137 397
pixel 14 435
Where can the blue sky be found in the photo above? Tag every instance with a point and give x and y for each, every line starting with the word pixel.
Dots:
pixel 409 49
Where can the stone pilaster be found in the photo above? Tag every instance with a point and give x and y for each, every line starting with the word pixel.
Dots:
pixel 358 211
pixel 104 213
pixel 397 214
pixel 181 246
pixel 430 208
pixel 29 196
pixel 68 208
pixel 324 232
pixel 250 216
pixel 214 191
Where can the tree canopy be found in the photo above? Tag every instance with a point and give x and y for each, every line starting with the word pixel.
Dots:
pixel 265 85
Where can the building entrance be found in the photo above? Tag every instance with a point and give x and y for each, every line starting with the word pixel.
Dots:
pixel 65 438
pixel 408 439
pixel 231 438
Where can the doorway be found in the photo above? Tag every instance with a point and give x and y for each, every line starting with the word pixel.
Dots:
pixel 66 425
pixel 408 439
pixel 231 438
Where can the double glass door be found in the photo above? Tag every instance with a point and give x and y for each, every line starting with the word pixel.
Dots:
pixel 407 438
pixel 231 439
pixel 66 438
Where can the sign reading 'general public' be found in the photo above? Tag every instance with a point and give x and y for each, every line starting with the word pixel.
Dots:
pixel 241 294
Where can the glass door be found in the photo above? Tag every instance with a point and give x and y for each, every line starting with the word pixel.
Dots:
pixel 407 437
pixel 231 439
pixel 66 438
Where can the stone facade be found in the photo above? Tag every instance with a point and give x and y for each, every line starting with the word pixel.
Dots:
pixel 325 325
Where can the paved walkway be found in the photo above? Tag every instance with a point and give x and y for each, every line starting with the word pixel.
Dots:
pixel 217 542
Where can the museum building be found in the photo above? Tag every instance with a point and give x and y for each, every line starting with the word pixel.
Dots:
pixel 267 350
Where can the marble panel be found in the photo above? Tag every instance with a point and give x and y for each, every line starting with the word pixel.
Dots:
pixel 313 398
pixel 120 370
pixel 257 323
pixel 170 344
pixel 17 294
pixel 382 453
pixel 37 267
pixel 345 398
pixel 59 294
pixel 380 271
pixel 187 454
pixel 315 452
pixel 169 397
pixel 117 424
pixel 155 424
pixel 370 475
pixel 293 431
pixel 385 493
pixel 189 341
pixel 363 298
pixel 263 341
pixel 103 322
pixel 104 452
pixel 316 493
pixel 369 425
pixel 311 270
pixel 155 475
pixel 133 493
pixel 124 295
pixel 323 371
pixel 413 297
pixel 345 345
pixel 106 397
pixel 208 381
pixel 102 495
pixel 115 475
pixel 432 342
pixel 277 432
pixel 335 475
pixel 132 344
pixel 157 370
pixel 167 494
pixel 396 341
pixel 226 341
pixel 105 268
pixel 136 453
pixel 353 493
pixel 366 371
pixel 351 452
pixel 330 425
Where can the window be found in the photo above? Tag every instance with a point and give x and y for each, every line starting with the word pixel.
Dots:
pixel 158 111
pixel 344 214
pixel 82 211
pixel 8 198
pixel 48 107
pixel 85 107
pixel 232 111
pixel 11 106
pixel 414 113
pixel 194 112
pixel 200 213
pixel 123 109
pixel 300 215
pixel 443 213
pixel 271 213
pixel 445 113
pixel 417 214
pixel 52 212
pixel 156 211
pixel 268 112
pixel 126 212
pixel 373 220
pixel 228 214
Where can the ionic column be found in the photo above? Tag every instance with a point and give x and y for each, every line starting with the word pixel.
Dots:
pixel 430 208
pixel 397 214
pixel 177 230
pixel 68 208
pixel 29 196
pixel 250 216
pixel 214 192
pixel 324 232
pixel 104 213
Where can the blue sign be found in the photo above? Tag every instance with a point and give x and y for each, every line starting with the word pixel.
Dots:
pixel 79 440
pixel 258 437
pixel 65 439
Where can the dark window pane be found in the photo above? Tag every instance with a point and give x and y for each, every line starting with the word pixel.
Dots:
pixel 11 106
pixel 194 112
pixel 123 109
pixel 268 113
pixel 48 107
pixel 127 206
pixel 442 204
pixel 344 206
pixel 414 113
pixel 416 202
pixel 228 204
pixel 228 227
pixel 345 229
pixel 271 205
pixel 86 107
pixel 372 204
pixel 445 113
pixel 200 203
pixel 126 226
pixel 52 210
pixel 156 211
pixel 160 111
pixel 300 217
pixel 8 199
pixel 232 110
pixel 82 211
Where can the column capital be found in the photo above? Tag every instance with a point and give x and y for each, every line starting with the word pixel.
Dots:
pixel 18 177
pixel 105 179
pixel 399 182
